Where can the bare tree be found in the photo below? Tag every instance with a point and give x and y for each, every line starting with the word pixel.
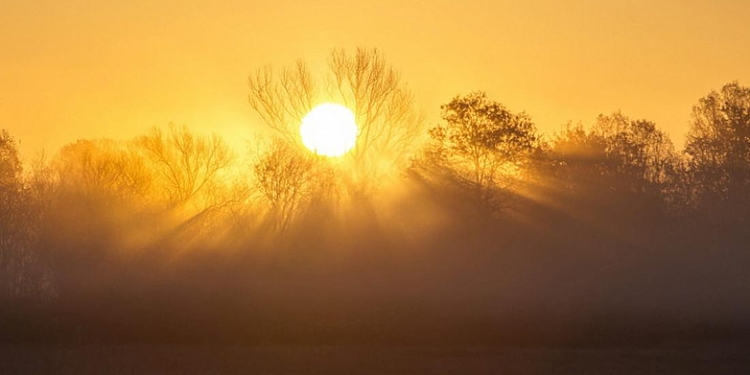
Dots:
pixel 290 180
pixel 88 195
pixel 282 100
pixel 187 167
pixel 102 167
pixel 383 106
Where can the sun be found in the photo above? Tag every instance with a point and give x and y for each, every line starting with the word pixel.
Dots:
pixel 329 129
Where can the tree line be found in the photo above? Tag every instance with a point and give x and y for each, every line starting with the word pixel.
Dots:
pixel 172 191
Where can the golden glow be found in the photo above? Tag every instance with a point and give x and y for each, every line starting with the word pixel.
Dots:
pixel 114 69
pixel 329 130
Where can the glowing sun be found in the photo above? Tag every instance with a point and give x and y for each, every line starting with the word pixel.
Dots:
pixel 329 130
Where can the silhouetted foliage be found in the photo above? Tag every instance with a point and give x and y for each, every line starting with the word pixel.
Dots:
pixel 629 163
pixel 13 242
pixel 166 237
pixel 642 154
pixel 718 147
pixel 22 272
pixel 619 178
pixel 10 171
pixel 481 146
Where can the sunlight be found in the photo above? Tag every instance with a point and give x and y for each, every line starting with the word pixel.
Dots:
pixel 329 130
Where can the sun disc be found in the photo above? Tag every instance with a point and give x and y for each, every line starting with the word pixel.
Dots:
pixel 329 129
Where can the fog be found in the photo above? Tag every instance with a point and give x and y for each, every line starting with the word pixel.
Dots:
pixel 598 233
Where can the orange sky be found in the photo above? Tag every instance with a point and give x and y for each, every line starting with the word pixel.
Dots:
pixel 90 68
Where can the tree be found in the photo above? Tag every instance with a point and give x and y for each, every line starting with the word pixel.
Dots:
pixel 187 167
pixel 281 101
pixel 21 271
pixel 102 169
pixel 193 177
pixel 619 162
pixel 718 149
pixel 481 146
pixel 289 180
pixel 90 192
pixel 639 151
pixel 12 239
pixel 579 160
pixel 10 172
pixel 383 106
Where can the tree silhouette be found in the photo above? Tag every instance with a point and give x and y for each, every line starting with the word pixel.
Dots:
pixel 480 146
pixel 187 167
pixel 383 106
pixel 620 163
pixel 88 192
pixel 10 171
pixel 282 100
pixel 579 160
pixel 642 154
pixel 102 168
pixel 21 271
pixel 718 147
pixel 290 180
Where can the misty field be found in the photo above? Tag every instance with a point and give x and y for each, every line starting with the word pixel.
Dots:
pixel 694 358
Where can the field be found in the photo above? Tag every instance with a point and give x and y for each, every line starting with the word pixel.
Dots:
pixel 693 358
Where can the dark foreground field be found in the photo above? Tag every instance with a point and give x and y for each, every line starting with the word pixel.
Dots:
pixel 693 358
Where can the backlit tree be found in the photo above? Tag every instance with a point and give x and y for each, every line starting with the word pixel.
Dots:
pixel 363 81
pixel 481 146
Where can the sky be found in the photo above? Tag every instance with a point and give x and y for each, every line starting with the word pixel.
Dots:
pixel 94 69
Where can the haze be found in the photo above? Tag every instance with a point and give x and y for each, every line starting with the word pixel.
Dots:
pixel 92 69
pixel 553 187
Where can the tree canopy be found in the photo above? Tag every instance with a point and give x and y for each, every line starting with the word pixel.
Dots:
pixel 481 145
pixel 718 149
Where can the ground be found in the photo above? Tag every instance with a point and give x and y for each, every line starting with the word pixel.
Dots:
pixel 688 358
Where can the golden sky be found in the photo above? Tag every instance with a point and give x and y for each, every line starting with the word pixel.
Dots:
pixel 91 68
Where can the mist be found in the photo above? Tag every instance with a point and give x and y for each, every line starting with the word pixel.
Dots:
pixel 600 233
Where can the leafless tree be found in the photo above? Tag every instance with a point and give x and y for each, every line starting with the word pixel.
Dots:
pixel 290 180
pixel 102 167
pixel 282 100
pixel 187 167
pixel 383 106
